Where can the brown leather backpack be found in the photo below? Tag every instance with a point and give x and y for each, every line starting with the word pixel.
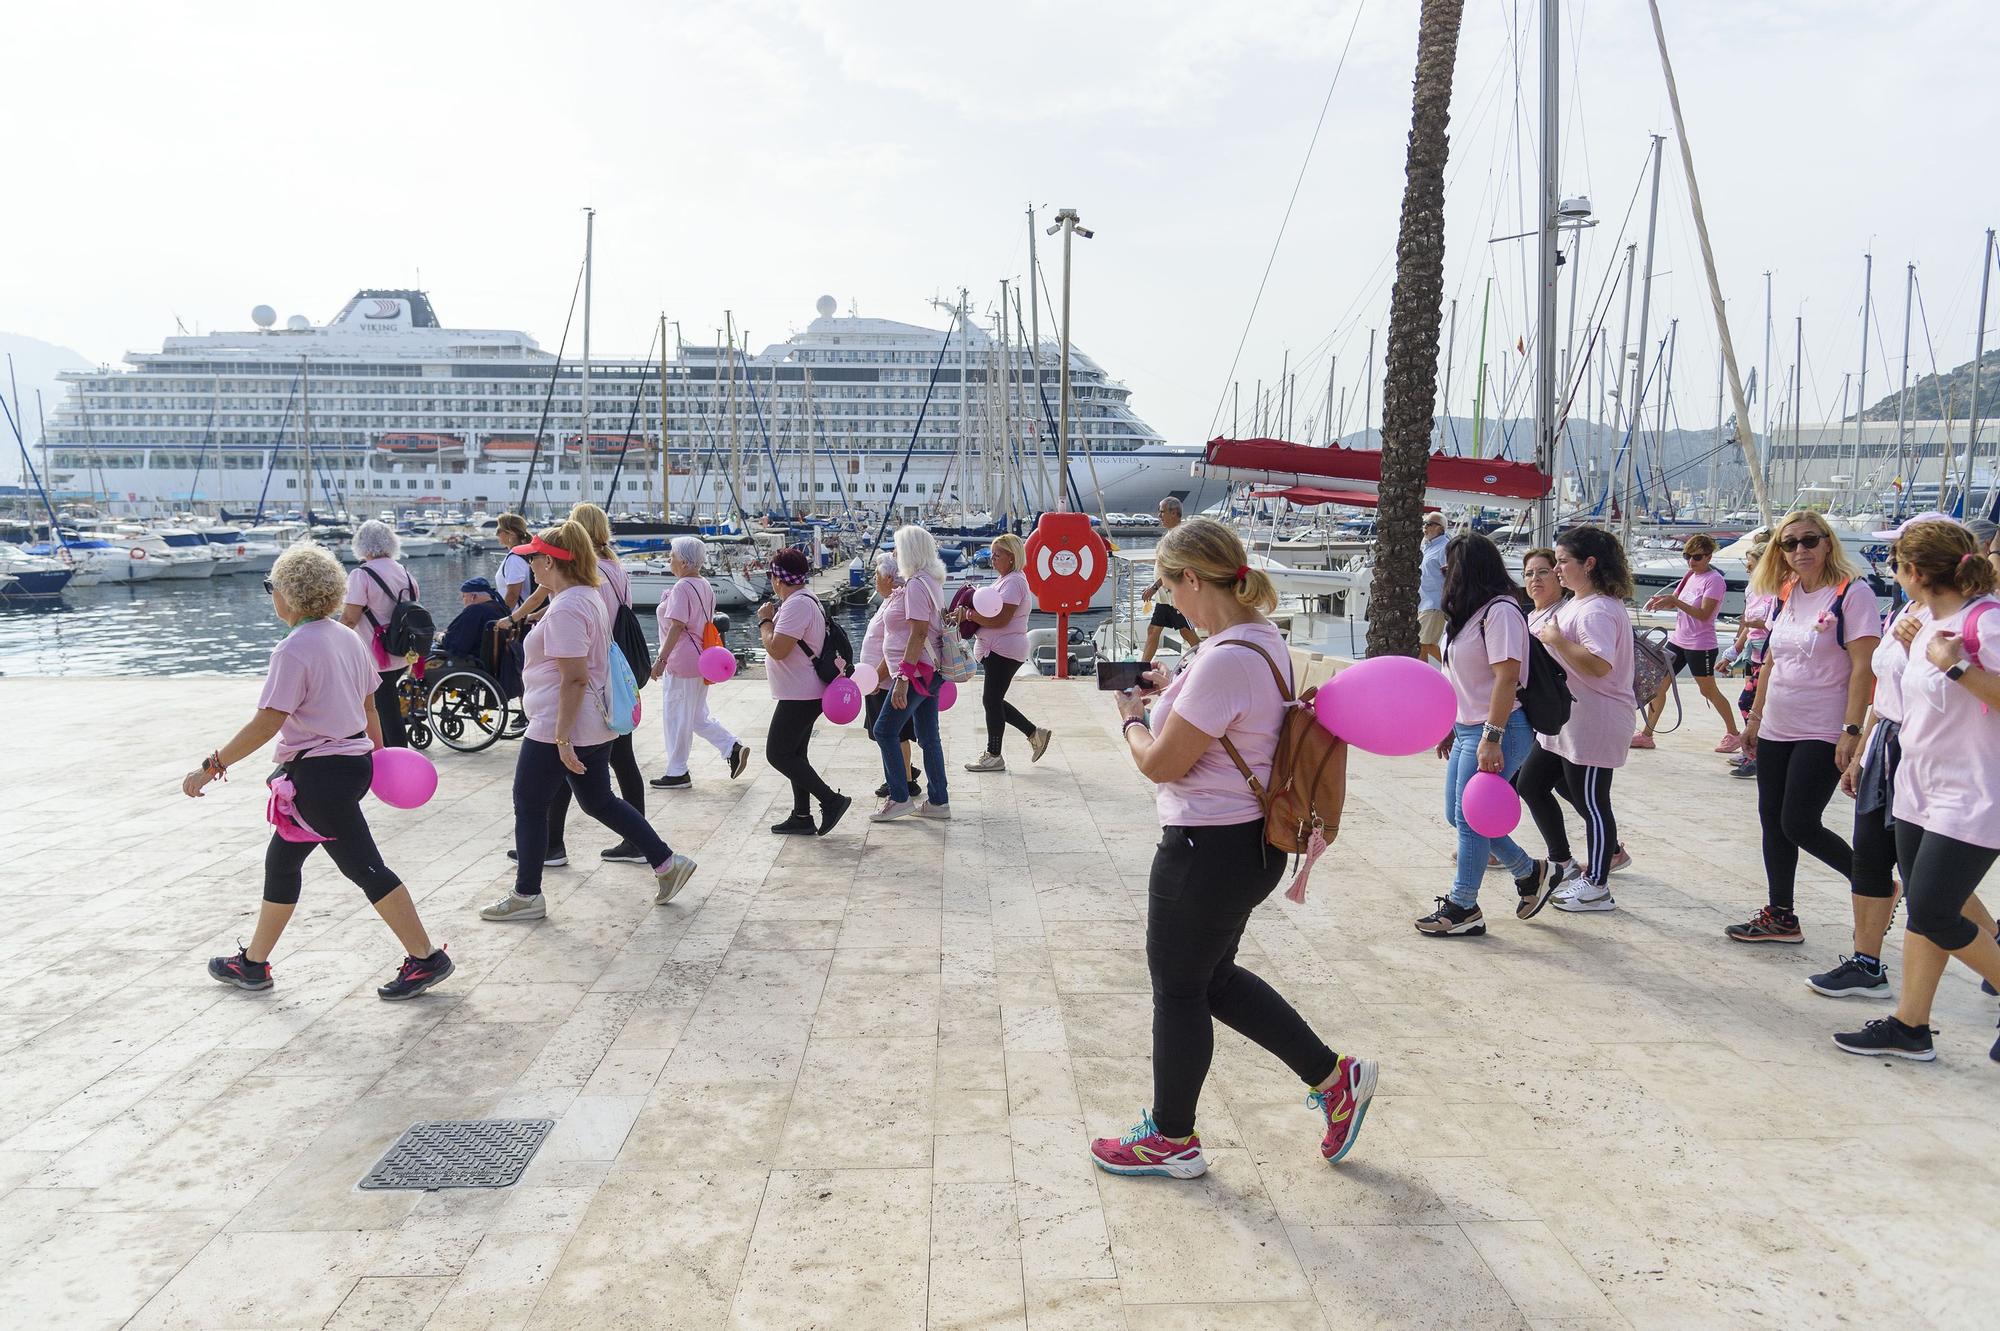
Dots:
pixel 1308 783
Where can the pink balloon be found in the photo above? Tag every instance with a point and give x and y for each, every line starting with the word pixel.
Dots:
pixel 841 702
pixel 404 778
pixel 717 664
pixel 987 600
pixel 1490 805
pixel 867 678
pixel 947 695
pixel 1391 705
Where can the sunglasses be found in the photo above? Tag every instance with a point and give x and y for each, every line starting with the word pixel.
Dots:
pixel 1810 541
pixel 268 588
pixel 1694 559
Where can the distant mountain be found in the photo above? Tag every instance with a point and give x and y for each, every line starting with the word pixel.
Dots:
pixel 36 364
pixel 1936 396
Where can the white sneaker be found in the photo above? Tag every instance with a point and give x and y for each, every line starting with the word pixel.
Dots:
pixel 891 810
pixel 938 812
pixel 514 906
pixel 673 876
pixel 987 762
pixel 1587 897
pixel 1038 743
pixel 1567 889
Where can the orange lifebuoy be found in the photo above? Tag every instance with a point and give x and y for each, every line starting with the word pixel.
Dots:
pixel 138 553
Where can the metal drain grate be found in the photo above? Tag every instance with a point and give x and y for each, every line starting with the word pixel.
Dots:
pixel 474 1153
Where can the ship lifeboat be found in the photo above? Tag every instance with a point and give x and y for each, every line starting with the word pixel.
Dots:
pixel 508 446
pixel 605 445
pixel 411 444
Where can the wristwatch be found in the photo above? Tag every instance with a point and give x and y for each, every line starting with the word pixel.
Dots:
pixel 1851 730
pixel 1492 734
pixel 1957 672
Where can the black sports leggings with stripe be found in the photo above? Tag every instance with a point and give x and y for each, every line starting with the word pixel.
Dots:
pixel 1795 781
pixel 1589 789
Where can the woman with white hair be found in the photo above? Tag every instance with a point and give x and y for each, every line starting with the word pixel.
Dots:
pixel 908 636
pixel 684 616
pixel 372 592
pixel 888 586
pixel 319 704
pixel 1003 646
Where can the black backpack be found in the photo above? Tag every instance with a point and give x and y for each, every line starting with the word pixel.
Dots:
pixel 631 640
pixel 1544 695
pixel 836 650
pixel 411 630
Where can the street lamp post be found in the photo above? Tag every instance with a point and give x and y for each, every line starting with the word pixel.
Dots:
pixel 1070 225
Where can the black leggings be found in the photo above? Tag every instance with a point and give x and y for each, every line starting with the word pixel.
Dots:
pixel 1874 831
pixel 1000 713
pixel 786 747
pixel 389 709
pixel 1205 883
pixel 1589 790
pixel 1795 779
pixel 537 773
pixel 873 709
pixel 631 789
pixel 1940 874
pixel 328 800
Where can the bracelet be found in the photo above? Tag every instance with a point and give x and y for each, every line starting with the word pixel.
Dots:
pixel 1130 721
pixel 213 764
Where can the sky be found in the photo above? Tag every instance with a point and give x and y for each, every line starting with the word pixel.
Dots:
pixel 178 163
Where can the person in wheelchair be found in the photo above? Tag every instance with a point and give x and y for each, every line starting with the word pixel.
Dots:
pixel 464 637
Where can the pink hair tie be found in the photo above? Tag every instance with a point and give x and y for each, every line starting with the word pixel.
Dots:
pixel 1963 560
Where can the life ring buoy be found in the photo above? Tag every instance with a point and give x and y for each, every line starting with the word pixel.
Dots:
pixel 138 552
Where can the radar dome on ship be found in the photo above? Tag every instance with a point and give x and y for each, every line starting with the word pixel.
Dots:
pixel 826 306
pixel 263 316
pixel 298 323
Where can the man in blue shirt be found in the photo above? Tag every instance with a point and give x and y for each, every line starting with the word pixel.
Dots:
pixel 1430 590
pixel 467 630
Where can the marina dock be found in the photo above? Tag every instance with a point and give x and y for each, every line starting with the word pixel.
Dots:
pixel 850 1082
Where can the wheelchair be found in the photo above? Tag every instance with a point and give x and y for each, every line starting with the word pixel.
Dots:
pixel 459 700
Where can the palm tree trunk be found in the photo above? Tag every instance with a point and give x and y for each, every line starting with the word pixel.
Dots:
pixel 1409 381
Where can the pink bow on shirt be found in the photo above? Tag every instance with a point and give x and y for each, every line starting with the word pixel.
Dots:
pixel 283 814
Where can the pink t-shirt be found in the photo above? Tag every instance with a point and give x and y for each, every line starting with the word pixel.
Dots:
pixel 1756 644
pixel 1009 639
pixel 321 678
pixel 792 677
pixel 1890 659
pixel 1949 782
pixel 1497 632
pixel 614 586
pixel 873 640
pixel 1224 691
pixel 572 624
pixel 1601 714
pixel 691 604
pixel 1698 635
pixel 362 591
pixel 1808 666
pixel 918 603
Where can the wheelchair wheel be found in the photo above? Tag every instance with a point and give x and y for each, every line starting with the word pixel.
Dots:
pixel 419 733
pixel 467 710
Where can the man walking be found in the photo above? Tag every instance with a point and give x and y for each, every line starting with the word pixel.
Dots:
pixel 1165 616
pixel 1430 591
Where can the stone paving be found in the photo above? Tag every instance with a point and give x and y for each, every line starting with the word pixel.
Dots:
pixel 849 1083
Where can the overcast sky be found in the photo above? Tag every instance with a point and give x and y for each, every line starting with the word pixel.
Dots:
pixel 188 161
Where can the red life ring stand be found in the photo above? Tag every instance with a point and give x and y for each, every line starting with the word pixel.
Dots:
pixel 1067 562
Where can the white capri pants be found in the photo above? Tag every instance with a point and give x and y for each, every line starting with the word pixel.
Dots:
pixel 685 715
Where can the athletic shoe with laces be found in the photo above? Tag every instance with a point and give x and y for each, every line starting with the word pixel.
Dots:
pixel 1852 979
pixel 622 853
pixel 797 824
pixel 514 906
pixel 987 762
pixel 673 876
pixel 1767 926
pixel 416 975
pixel 1730 744
pixel 1747 769
pixel 832 811
pixel 1620 860
pixel 1643 741
pixel 1344 1103
pixel 882 791
pixel 1588 896
pixel 1986 987
pixel 1038 743
pixel 1535 890
pixel 739 760
pixel 685 781
pixel 240 971
pixel 1452 920
pixel 553 859
pixel 1144 1151
pixel 936 812
pixel 891 810
pixel 1887 1036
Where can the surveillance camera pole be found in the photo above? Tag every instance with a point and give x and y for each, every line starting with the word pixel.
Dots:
pixel 1068 220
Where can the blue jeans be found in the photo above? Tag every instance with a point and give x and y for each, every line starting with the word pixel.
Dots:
pixel 1515 743
pixel 923 714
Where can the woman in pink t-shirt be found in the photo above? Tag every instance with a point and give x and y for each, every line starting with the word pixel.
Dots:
pixel 319 703
pixel 1804 728
pixel 794 632
pixel 1003 646
pixel 868 671
pixel 684 616
pixel 1591 636
pixel 909 636
pixel 1947 794
pixel 1697 600
pixel 372 592
pixel 565 691
pixel 1214 866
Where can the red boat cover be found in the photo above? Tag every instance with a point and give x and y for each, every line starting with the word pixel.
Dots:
pixel 1512 480
pixel 1307 496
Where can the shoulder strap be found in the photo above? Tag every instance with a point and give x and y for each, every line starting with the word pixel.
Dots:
pixel 377 577
pixel 1228 747
pixel 1968 632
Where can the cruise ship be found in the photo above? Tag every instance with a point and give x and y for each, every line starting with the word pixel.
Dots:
pixel 383 408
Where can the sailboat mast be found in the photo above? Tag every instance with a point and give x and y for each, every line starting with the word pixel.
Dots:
pixel 666 454
pixel 1368 410
pixel 1450 351
pixel 735 478
pixel 583 453
pixel 1861 390
pixel 1903 388
pixel 1798 394
pixel 1035 364
pixel 1639 365
pixel 1614 383
pixel 306 435
pixel 1978 355
pixel 1546 272
pixel 1766 386
pixel 964 371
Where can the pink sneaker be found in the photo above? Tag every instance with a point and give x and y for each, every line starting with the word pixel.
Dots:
pixel 1345 1104
pixel 1144 1151
pixel 1730 744
pixel 1643 741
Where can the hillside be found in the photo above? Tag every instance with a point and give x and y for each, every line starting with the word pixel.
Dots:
pixel 36 364
pixel 1936 396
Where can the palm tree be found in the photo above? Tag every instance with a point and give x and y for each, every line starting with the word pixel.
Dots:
pixel 1409 380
